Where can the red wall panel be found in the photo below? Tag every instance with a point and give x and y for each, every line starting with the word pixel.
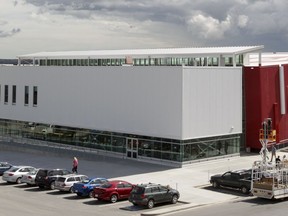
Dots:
pixel 262 100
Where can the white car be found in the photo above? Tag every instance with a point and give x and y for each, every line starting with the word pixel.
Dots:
pixel 65 183
pixel 15 173
pixel 29 178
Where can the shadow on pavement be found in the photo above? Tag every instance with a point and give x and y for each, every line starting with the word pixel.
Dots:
pixel 98 166
pixel 227 190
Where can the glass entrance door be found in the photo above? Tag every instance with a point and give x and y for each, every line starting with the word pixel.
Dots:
pixel 131 147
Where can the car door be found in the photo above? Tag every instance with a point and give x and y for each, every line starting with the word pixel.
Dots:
pixel 157 194
pixel 165 195
pixel 120 190
pixel 226 179
pixel 127 190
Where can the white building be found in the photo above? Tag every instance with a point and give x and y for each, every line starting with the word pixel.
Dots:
pixel 169 105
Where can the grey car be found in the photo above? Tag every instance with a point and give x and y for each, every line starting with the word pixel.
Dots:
pixel 65 182
pixel 29 178
pixel 15 173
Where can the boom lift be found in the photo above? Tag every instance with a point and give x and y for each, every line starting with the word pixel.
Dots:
pixel 269 180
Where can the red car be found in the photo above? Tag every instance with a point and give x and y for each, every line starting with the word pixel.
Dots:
pixel 113 191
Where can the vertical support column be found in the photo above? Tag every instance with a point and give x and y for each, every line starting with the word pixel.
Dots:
pixel 282 90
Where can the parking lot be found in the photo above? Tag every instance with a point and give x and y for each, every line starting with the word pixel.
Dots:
pixel 26 200
pixel 29 200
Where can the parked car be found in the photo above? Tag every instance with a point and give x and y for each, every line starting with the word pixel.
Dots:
pixel 4 166
pixel 85 187
pixel 113 191
pixel 29 178
pixel 151 194
pixel 65 182
pixel 45 178
pixel 15 173
pixel 239 179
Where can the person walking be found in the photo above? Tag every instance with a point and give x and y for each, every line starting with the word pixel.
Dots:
pixel 75 165
pixel 273 152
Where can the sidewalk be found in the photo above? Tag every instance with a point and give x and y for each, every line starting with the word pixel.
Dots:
pixel 191 179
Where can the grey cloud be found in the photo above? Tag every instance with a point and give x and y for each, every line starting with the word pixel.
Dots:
pixel 9 33
pixel 207 22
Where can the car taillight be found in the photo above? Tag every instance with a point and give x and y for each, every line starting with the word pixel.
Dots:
pixel 84 187
pixel 11 174
pixel 142 196
pixel 29 177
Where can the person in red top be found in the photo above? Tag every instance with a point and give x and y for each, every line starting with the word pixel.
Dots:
pixel 75 165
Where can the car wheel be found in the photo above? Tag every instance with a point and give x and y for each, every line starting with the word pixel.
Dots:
pixel 18 180
pixel 52 185
pixel 79 194
pixel 215 184
pixel 244 190
pixel 91 195
pixel 135 204
pixel 150 204
pixel 174 199
pixel 71 190
pixel 113 198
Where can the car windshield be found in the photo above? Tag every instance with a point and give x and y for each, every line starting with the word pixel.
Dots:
pixel 138 190
pixel 33 172
pixel 13 169
pixel 61 179
pixel 106 185
pixel 85 181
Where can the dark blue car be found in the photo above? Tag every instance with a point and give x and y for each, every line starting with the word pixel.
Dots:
pixel 85 187
pixel 4 166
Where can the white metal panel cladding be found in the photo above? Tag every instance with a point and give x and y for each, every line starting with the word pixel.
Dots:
pixel 137 100
pixel 212 101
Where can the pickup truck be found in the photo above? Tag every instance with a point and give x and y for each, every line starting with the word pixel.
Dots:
pixel 239 179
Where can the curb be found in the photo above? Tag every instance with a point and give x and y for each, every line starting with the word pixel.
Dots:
pixel 171 210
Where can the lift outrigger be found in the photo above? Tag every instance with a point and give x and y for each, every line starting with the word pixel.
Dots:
pixel 269 180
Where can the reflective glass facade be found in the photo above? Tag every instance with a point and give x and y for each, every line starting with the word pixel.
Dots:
pixel 131 146
pixel 168 61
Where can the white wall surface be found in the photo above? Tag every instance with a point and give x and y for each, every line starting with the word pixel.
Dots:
pixel 137 100
pixel 212 101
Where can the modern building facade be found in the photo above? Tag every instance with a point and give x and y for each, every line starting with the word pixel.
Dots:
pixel 163 105
pixel 266 92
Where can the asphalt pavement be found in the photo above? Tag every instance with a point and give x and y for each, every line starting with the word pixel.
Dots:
pixel 192 180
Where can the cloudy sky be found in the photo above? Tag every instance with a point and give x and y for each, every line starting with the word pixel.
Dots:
pixel 28 26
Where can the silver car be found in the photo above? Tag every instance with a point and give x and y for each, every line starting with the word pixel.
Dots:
pixel 29 178
pixel 65 183
pixel 15 173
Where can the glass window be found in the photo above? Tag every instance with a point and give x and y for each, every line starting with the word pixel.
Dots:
pixel 6 93
pixel 14 94
pixel 35 95
pixel 26 95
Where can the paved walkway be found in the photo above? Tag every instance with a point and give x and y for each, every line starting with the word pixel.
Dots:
pixel 191 179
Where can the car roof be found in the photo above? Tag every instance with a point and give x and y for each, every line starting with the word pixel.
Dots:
pixel 22 166
pixel 118 181
pixel 73 175
pixel 101 178
pixel 149 185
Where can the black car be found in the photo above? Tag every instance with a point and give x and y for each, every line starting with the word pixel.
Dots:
pixel 4 166
pixel 238 179
pixel 45 178
pixel 151 194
